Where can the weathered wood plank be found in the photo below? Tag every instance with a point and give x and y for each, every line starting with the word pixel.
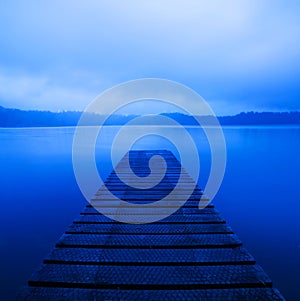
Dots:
pixel 151 210
pixel 150 277
pixel 149 241
pixel 132 229
pixel 170 204
pixel 66 294
pixel 222 256
pixel 176 219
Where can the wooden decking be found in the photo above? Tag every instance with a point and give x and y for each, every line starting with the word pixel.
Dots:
pixel 191 255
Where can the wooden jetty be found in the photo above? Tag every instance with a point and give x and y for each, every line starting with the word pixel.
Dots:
pixel 190 255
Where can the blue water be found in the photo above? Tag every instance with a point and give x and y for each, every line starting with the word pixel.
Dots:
pixel 259 196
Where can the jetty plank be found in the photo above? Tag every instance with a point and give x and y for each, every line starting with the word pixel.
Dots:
pixel 149 277
pixel 137 256
pixel 236 294
pixel 175 219
pixel 132 229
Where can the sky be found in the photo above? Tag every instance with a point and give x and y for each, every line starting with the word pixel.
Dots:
pixel 239 55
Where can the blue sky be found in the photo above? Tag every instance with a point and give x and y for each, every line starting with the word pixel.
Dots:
pixel 238 55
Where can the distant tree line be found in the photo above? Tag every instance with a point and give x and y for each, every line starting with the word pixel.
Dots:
pixel 20 118
pixel 249 118
pixel 252 118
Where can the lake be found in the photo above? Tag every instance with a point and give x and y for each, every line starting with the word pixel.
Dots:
pixel 259 196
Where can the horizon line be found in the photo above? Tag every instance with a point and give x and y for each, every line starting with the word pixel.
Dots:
pixel 174 112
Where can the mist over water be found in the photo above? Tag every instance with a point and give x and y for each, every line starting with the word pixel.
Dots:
pixel 259 196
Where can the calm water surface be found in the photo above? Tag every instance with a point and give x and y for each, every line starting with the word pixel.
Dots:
pixel 259 196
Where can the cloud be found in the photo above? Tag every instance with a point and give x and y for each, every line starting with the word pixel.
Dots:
pixel 32 92
pixel 237 53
